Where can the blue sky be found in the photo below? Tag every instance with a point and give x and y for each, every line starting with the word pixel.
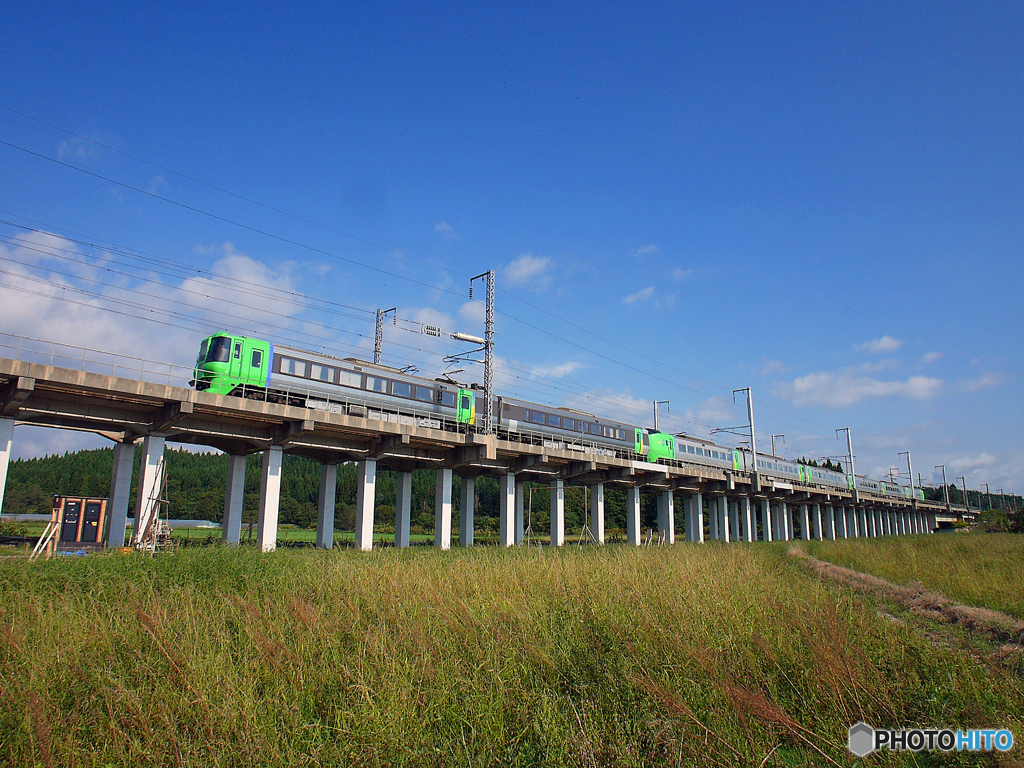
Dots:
pixel 821 202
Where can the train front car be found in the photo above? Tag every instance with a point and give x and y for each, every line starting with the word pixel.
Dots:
pixel 229 364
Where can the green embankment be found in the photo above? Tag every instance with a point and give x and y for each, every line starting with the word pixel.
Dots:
pixel 984 570
pixel 686 655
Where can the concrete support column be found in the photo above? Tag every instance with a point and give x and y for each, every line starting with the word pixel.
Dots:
pixel 666 517
pixel 695 518
pixel 840 515
pixel 790 525
pixel 932 523
pixel 365 496
pixel 148 491
pixel 443 509
pixel 829 532
pixel 467 503
pixel 749 521
pixel 234 495
pixel 902 522
pixel 557 513
pixel 851 522
pixel 633 515
pixel 507 503
pixel 325 506
pixel 734 521
pixel 713 534
pixel 919 526
pixel 520 525
pixel 767 521
pixel 597 511
pixel 864 532
pixel 723 519
pixel 894 528
pixel 805 522
pixel 121 490
pixel 6 438
pixel 403 509
pixel 270 498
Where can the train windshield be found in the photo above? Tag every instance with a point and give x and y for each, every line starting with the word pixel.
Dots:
pixel 220 350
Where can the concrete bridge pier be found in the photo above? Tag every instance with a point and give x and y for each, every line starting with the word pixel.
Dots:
pixel 558 513
pixel 723 519
pixel 840 515
pixel 767 521
pixel 749 521
pixel 932 522
pixel 443 509
pixel 325 506
pixel 865 532
pixel 713 519
pixel 519 531
pixel 507 505
pixel 816 529
pixel 805 522
pixel 734 520
pixel 403 509
pixel 666 517
pixel 789 511
pixel 851 523
pixel 695 518
pixel 633 515
pixel 234 495
pixel 366 486
pixel 270 498
pixel 467 504
pixel 829 532
pixel 6 438
pixel 597 511
pixel 149 490
pixel 120 492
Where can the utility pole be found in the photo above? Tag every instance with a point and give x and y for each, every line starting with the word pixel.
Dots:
pixel 773 443
pixel 910 471
pixel 852 467
pixel 945 488
pixel 656 404
pixel 488 278
pixel 753 435
pixel 967 499
pixel 378 336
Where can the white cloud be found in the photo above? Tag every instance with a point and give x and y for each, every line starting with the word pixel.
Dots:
pixel 931 357
pixel 446 231
pixel 528 269
pixel 884 344
pixel 715 412
pixel 967 463
pixel 832 389
pixel 643 295
pixel 681 274
pixel 473 312
pixel 987 381
pixel 647 250
pixel 773 367
pixel 614 405
pixel 559 371
pixel 157 185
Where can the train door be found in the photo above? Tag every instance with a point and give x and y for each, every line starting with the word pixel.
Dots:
pixel 466 407
pixel 235 366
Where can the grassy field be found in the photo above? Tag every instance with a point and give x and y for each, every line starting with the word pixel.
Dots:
pixel 980 570
pixel 729 655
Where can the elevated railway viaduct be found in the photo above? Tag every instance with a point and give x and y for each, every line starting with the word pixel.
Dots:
pixel 153 407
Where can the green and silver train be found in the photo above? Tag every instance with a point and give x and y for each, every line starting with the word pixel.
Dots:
pixel 240 366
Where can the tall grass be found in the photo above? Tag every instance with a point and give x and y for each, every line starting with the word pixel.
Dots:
pixel 983 570
pixel 684 655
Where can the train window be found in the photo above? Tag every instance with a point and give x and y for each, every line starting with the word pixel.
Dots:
pixel 444 397
pixel 401 389
pixel 426 394
pixel 220 348
pixel 349 379
pixel 715 455
pixel 257 358
pixel 238 350
pixel 202 350
pixel 569 424
pixel 609 432
pixel 622 434
pixel 293 367
pixel 536 417
pixel 320 372
pixel 554 421
pixel 692 449
pixel 376 384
